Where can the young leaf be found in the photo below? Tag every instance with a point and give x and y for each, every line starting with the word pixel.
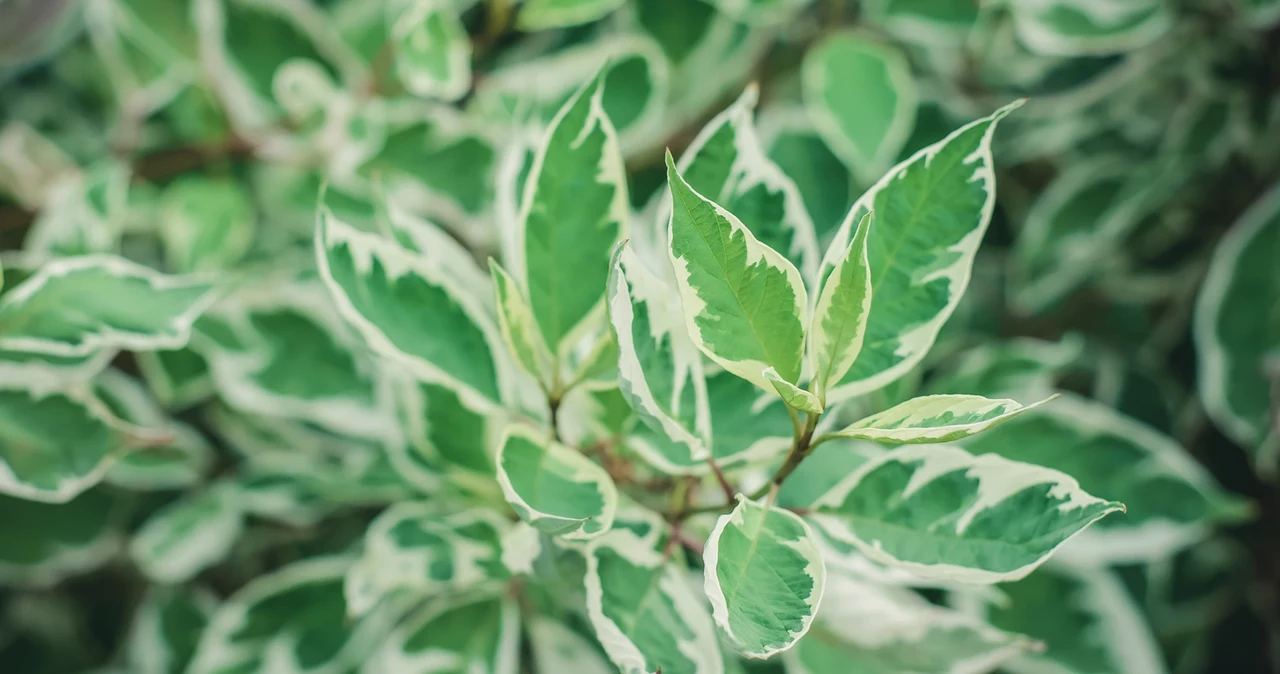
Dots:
pixel 792 395
pixel 80 305
pixel 543 14
pixel 862 98
pixel 1233 342
pixel 659 370
pixel 931 213
pixel 726 164
pixel 936 418
pixel 519 327
pixel 41 543
pixel 432 51
pixel 573 211
pixel 941 512
pixel 764 577
pixel 840 317
pixel 744 303
pixel 205 225
pixel 472 635
pixel 407 310
pixel 644 613
pixel 188 535
pixel 556 489
pixel 558 649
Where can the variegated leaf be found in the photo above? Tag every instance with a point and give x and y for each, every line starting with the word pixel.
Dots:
pixel 189 535
pixel 519 326
pixel 744 303
pixel 543 14
pixel 78 306
pixel 42 543
pixel 764 577
pixel 204 224
pixel 942 512
pixel 573 210
pixel 935 418
pixel 1061 28
pixel 659 370
pixel 179 378
pixel 166 629
pixel 477 635
pixel 794 396
pixel 557 649
pixel 180 462
pixel 555 488
pixel 1023 367
pixel 931 213
pixel 840 316
pixel 432 50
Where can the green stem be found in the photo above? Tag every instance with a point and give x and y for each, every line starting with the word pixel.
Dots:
pixel 800 448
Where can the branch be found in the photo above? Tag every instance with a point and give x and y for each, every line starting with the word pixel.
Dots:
pixel 730 494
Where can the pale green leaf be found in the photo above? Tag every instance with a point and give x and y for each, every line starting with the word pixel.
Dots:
pixel 83 213
pixel 205 224
pixel 42 543
pixel 646 615
pixel 941 512
pixel 935 418
pixel 1173 501
pixel 931 213
pixel 862 98
pixel 1232 339
pixel 521 547
pixel 794 396
pixel 823 179
pixel 840 316
pixel 744 303
pixel 476 635
pixel 432 51
pixel 555 488
pixel 761 11
pixel 764 577
pixel 408 310
pixel 1065 28
pixel 659 370
pixel 1018 367
pixel 166 629
pixel 30 163
pixel 189 535
pixel 543 14
pixel 574 209
pixel 78 306
pixel 519 327
pixel 179 378
pixel 558 649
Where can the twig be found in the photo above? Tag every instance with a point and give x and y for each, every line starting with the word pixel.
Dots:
pixel 800 448
pixel 730 494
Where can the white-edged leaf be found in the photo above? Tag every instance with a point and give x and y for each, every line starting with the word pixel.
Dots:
pixel 647 617
pixel 840 316
pixel 764 577
pixel 744 303
pixel 862 98
pixel 205 224
pixel 558 649
pixel 476 635
pixel 80 305
pixel 408 310
pixel 432 50
pixel 521 546
pixel 179 463
pixel 939 511
pixel 554 488
pixel 42 543
pixel 179 378
pixel 166 628
pixel 519 328
pixel 543 14
pixel 189 535
pixel 935 418
pixel 659 370
pixel 1017 367
pixel 573 210
pixel 793 395
pixel 1064 28
pixel 931 213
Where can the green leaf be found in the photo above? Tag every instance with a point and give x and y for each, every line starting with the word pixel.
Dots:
pixel 726 164
pixel 840 317
pixel 862 98
pixel 574 209
pixel 414 550
pixel 824 181
pixel 293 620
pixel 473 635
pixel 659 371
pixel 878 629
pixel 409 311
pixel 83 213
pixel 823 469
pixel 432 51
pixel 1016 367
pixel 543 14
pixel 519 327
pixel 442 425
pixel 78 306
pixel 205 224
pixel 744 303
pixel 188 535
pixel 1172 500
pixel 760 11
pixel 764 577
pixel 55 445
pixel 935 418
pixel 42 543
pixel 1062 28
pixel 179 378
pixel 792 395
pixel 931 213
pixel 1233 341
pixel 924 21
pixel 556 489
pixel 149 48
pixel 179 463
pixel 166 629
pixel 940 512
pixel 644 612
pixel 558 649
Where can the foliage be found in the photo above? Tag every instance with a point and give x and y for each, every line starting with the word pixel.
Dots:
pixel 679 336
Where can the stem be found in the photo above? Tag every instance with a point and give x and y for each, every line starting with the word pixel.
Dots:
pixel 801 448
pixel 730 494
pixel 553 406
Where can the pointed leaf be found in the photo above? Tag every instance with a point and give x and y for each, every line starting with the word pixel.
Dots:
pixel 744 303
pixel 931 213
pixel 936 418
pixel 519 327
pixel 794 396
pixel 764 577
pixel 555 488
pixel 80 305
pixel 472 635
pixel 941 512
pixel 574 209
pixel 840 316
pixel 188 535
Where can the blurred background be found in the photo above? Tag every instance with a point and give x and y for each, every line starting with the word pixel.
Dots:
pixel 1150 128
